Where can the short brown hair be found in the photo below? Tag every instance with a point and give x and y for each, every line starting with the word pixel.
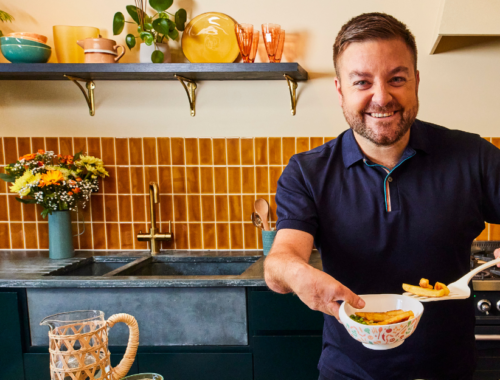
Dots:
pixel 372 26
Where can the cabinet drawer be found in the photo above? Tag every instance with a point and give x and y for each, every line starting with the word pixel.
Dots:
pixel 274 312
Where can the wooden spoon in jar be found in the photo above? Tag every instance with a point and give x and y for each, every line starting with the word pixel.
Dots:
pixel 262 210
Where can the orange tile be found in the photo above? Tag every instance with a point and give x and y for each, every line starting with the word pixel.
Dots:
pixel 496 141
pixel 193 180
pixel 140 228
pixel 137 179
pixel 66 144
pixel 177 145
pixel 209 236
pixel 261 179
pixel 272 208
pixel 76 238
pixel 250 233
pixel 205 151
pixel 316 141
pixel 487 139
pixel 24 145
pixel 126 236
pixel 150 175
pixel 194 208
pixel 166 208
pixel 79 145
pixel 288 149
pixel 4 236
pixel 274 150
pixel 98 235
pixel 219 147
pixel 121 151
pixel 235 212
pixel 302 144
pixel 248 179
pixel 220 177
pixel 43 235
pixel 494 232
pixel 97 207
pixel 261 151
pixel 4 215
pixel 31 235
pixel 236 230
pixel 111 207
pixel 233 151
pixel 85 212
pixel 222 236
pixel 207 180
pixel 17 235
pixel 208 208
pixel 2 161
pixel 125 208
pixel 86 237
pixel 4 186
pixel 484 234
pixel 180 210
pixel 192 151
pixel 39 143
pixel 29 213
pixel 112 236
pixel 179 179
pixel 274 174
pixel 111 182
pixel 108 150
pixel 329 139
pixel 195 236
pixel 135 145
pixel 149 150
pixel 52 143
pixel 165 179
pixel 221 208
pixel 163 150
pixel 10 150
pixel 139 208
pixel 15 209
pixel 247 151
pixel 94 146
pixel 181 235
pixel 234 180
pixel 248 207
pixel 166 244
pixel 123 176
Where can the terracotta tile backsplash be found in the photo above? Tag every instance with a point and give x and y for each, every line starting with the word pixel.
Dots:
pixel 207 189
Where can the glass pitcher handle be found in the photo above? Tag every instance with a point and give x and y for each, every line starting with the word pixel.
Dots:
pixel 83 219
pixel 122 369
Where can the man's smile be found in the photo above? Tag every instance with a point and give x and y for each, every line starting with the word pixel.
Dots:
pixel 379 115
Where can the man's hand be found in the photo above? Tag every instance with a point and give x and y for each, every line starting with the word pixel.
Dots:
pixel 497 255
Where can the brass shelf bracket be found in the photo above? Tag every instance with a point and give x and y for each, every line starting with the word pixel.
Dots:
pixel 292 86
pixel 90 90
pixel 190 88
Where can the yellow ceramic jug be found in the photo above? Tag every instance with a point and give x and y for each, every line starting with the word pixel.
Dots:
pixel 65 38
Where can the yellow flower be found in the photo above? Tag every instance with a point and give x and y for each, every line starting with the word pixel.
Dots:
pixel 89 160
pixel 52 177
pixel 22 182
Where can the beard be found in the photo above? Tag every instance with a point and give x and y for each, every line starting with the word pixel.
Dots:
pixel 356 121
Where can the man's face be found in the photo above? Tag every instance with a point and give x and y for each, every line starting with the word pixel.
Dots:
pixel 378 89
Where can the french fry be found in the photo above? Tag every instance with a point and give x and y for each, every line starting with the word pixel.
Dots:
pixel 441 286
pixel 398 318
pixel 424 283
pixel 379 317
pixel 426 292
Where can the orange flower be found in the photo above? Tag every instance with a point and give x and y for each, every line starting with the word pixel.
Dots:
pixel 76 190
pixel 71 182
pixel 69 159
pixel 78 179
pixel 52 177
pixel 70 193
pixel 41 151
pixel 28 157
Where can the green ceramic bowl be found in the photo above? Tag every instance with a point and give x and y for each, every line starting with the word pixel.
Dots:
pixel 21 41
pixel 153 376
pixel 25 53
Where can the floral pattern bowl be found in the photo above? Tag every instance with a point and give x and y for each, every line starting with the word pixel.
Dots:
pixel 382 337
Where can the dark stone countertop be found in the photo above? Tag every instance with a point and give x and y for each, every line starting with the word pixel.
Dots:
pixel 30 269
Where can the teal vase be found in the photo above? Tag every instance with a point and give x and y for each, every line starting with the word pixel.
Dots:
pixel 60 235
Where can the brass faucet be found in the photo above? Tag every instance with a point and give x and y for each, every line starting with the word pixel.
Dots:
pixel 154 237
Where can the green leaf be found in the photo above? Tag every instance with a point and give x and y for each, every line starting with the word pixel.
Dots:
pixel 160 5
pixel 171 25
pixel 163 15
pixel 148 26
pixel 147 37
pixel 133 12
pixel 45 212
pixel 118 23
pixel 161 25
pixel 26 201
pixel 139 29
pixel 130 41
pixel 1 34
pixel 180 19
pixel 77 156
pixel 157 57
pixel 7 177
pixel 174 34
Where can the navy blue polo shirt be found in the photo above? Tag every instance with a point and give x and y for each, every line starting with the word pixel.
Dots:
pixel 378 228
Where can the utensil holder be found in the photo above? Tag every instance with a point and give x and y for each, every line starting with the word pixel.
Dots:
pixel 267 240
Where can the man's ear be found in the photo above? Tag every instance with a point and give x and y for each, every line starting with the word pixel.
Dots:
pixel 339 90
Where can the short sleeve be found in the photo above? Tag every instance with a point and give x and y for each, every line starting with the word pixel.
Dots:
pixel 295 206
pixel 490 172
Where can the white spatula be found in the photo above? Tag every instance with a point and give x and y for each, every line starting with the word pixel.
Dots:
pixel 459 290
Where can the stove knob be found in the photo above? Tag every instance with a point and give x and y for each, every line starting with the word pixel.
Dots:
pixel 484 306
pixel 498 305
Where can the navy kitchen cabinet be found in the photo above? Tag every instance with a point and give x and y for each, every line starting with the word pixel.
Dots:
pixel 11 351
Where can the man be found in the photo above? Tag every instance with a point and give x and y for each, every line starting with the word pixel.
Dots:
pixel 391 200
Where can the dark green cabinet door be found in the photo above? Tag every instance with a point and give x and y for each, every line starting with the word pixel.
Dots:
pixel 11 351
pixel 286 357
pixel 201 366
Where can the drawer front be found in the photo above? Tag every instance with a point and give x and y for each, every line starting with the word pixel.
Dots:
pixel 269 311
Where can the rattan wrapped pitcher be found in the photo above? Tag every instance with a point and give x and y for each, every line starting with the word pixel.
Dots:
pixel 78 345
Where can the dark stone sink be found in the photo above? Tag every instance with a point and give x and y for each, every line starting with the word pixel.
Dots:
pixel 93 266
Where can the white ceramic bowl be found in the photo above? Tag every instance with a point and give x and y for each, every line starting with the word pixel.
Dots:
pixel 382 337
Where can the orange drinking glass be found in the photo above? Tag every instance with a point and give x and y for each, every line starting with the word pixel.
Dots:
pixel 244 36
pixel 271 36
pixel 255 44
pixel 279 49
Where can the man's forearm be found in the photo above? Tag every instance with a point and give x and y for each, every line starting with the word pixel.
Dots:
pixel 281 269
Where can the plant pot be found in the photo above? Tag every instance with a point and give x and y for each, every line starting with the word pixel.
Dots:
pixel 60 235
pixel 146 51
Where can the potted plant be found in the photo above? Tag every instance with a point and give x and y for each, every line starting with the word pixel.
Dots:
pixel 155 31
pixel 4 17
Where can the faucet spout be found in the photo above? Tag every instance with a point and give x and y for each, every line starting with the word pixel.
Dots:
pixel 153 199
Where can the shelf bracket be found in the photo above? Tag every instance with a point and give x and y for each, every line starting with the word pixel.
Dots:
pixel 292 86
pixel 190 88
pixel 90 90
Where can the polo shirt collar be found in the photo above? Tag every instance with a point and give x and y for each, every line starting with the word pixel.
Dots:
pixel 351 152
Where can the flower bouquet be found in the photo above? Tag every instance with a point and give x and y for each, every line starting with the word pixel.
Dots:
pixel 55 182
